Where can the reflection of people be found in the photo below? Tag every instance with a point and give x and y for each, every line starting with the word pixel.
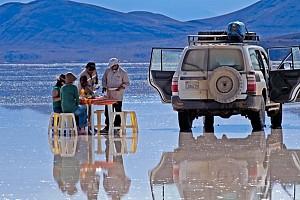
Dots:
pixel 89 183
pixel 89 179
pixel 88 79
pixel 70 101
pixel 56 93
pixel 114 82
pixel 66 173
pixel 115 182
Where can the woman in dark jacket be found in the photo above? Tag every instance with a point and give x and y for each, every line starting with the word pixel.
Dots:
pixel 56 93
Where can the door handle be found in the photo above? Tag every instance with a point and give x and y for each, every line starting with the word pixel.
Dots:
pixel 285 88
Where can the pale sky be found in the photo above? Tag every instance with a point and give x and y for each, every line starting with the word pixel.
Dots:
pixel 177 9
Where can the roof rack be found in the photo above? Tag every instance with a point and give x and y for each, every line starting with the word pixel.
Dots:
pixel 210 37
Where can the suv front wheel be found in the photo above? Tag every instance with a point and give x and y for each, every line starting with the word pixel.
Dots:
pixel 276 118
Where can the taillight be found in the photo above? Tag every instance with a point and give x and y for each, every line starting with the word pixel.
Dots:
pixel 174 86
pixel 175 173
pixel 252 173
pixel 251 83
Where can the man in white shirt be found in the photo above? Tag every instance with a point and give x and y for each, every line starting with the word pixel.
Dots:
pixel 114 82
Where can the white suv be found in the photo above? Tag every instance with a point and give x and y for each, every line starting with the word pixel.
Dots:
pixel 213 76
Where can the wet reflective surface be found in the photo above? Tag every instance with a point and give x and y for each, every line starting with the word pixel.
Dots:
pixel 206 167
pixel 158 162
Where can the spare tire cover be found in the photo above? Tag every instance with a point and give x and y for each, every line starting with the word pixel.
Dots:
pixel 225 84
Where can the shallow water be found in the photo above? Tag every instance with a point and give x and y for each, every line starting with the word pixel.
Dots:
pixel 232 163
pixel 31 84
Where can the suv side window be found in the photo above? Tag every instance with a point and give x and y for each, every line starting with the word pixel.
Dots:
pixel 265 60
pixel 195 60
pixel 165 59
pixel 296 57
pixel 254 59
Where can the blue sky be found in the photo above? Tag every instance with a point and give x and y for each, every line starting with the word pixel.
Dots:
pixel 177 9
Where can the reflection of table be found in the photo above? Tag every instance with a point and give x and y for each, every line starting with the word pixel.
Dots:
pixel 100 101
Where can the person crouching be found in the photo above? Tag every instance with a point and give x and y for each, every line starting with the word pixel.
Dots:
pixel 70 101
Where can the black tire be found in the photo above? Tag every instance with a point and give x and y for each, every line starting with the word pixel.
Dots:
pixel 185 121
pixel 258 118
pixel 276 119
pixel 208 124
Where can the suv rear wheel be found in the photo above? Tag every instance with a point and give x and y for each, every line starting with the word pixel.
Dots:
pixel 258 118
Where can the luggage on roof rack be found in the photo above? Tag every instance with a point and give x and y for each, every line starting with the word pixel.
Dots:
pixel 236 31
pixel 221 37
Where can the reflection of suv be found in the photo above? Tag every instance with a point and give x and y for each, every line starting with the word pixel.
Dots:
pixel 210 168
pixel 216 77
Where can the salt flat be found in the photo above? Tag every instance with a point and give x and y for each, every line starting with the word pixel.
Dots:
pixel 29 170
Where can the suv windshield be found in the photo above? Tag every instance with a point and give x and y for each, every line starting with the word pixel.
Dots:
pixel 196 59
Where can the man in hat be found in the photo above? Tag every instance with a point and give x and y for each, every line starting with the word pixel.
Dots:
pixel 114 82
pixel 70 101
pixel 88 79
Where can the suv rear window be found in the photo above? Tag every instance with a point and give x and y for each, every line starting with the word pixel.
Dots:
pixel 196 59
pixel 225 57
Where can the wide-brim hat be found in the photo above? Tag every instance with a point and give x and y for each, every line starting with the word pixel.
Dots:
pixel 70 77
pixel 61 77
pixel 113 61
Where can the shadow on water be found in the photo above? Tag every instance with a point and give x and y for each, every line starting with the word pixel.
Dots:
pixel 205 167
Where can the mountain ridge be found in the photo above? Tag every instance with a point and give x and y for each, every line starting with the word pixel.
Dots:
pixel 267 17
pixel 45 31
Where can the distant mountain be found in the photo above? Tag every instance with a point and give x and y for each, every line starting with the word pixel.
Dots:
pixel 282 40
pixel 267 17
pixel 61 30
pixel 46 31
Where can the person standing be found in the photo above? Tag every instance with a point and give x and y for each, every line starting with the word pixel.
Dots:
pixel 88 79
pixel 56 94
pixel 114 82
pixel 70 101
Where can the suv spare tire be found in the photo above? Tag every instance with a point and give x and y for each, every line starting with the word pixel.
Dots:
pixel 225 84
